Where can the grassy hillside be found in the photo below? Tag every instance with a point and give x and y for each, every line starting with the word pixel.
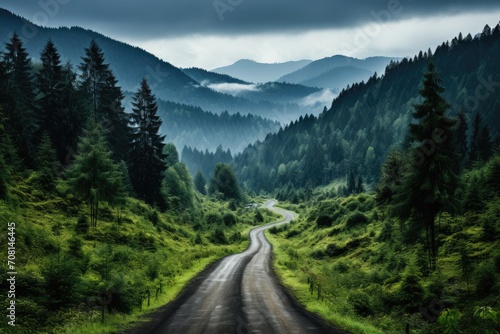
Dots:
pixel 372 278
pixel 135 260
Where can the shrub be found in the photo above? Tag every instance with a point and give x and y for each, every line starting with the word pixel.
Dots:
pixel 361 303
pixel 259 217
pixel 356 218
pixel 82 225
pixel 332 250
pixel 235 237
pixel 324 221
pixel 317 254
pixel 218 237
pixel 341 267
pixel 411 292
pixel 213 218
pixel 61 281
pixel 485 279
pixel 229 219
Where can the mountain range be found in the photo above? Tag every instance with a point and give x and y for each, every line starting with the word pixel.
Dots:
pixel 303 87
pixel 370 118
pixel 130 64
pixel 252 71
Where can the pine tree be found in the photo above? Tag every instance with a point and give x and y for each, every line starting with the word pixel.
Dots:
pixel 430 185
pixel 392 174
pixel 19 110
pixel 200 182
pixel 99 85
pixel 224 182
pixel 474 145
pixel 51 103
pixel 359 187
pixel 49 86
pixel 47 165
pixel 94 176
pixel 461 141
pixel 72 115
pixel 485 144
pixel 351 183
pixel 147 160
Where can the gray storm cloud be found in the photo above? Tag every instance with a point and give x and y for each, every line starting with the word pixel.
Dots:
pixel 153 19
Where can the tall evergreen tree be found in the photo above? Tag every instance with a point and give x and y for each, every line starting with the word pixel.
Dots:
pixel 485 144
pixel 461 141
pixel 48 84
pixel 200 182
pixel 94 176
pixel 474 144
pixel 359 187
pixel 19 110
pixel 430 185
pixel 46 163
pixel 351 183
pixel 224 182
pixel 147 160
pixel 99 85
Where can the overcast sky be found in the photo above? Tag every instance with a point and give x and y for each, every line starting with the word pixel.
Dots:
pixel 212 33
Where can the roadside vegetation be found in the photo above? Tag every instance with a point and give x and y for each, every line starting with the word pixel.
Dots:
pixel 374 273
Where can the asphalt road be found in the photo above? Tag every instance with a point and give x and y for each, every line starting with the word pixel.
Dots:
pixel 241 295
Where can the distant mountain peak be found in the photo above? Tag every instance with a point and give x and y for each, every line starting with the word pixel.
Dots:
pixel 253 71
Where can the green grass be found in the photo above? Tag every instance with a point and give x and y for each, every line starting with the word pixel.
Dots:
pixel 296 282
pixel 361 266
pixel 126 257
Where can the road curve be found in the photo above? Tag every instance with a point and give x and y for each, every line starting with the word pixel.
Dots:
pixel 241 295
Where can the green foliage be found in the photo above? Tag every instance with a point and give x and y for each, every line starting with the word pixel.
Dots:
pixel 356 218
pixel 490 319
pixel 259 217
pixel 229 219
pixel 449 321
pixel 62 281
pixel 200 182
pixel 99 87
pixel 177 188
pixel 218 236
pixel 147 160
pixel 411 291
pixel 224 182
pixel 430 183
pixel 47 164
pixel 324 221
pixel 213 218
pixel 82 225
pixel 360 301
pixel 93 176
pixel 486 279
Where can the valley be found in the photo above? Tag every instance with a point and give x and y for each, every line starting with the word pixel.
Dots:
pixel 336 193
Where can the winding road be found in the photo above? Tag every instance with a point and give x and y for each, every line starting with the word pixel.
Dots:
pixel 241 295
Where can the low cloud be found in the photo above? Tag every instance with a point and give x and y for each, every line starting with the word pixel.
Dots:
pixel 233 88
pixel 322 98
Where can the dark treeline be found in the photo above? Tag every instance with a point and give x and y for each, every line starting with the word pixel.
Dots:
pixel 70 123
pixel 367 119
pixel 191 126
pixel 204 162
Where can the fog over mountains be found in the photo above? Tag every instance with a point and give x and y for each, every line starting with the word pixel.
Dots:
pixel 279 92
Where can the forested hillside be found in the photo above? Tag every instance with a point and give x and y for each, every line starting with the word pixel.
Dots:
pixel 367 119
pixel 130 64
pixel 191 126
pixel 103 221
